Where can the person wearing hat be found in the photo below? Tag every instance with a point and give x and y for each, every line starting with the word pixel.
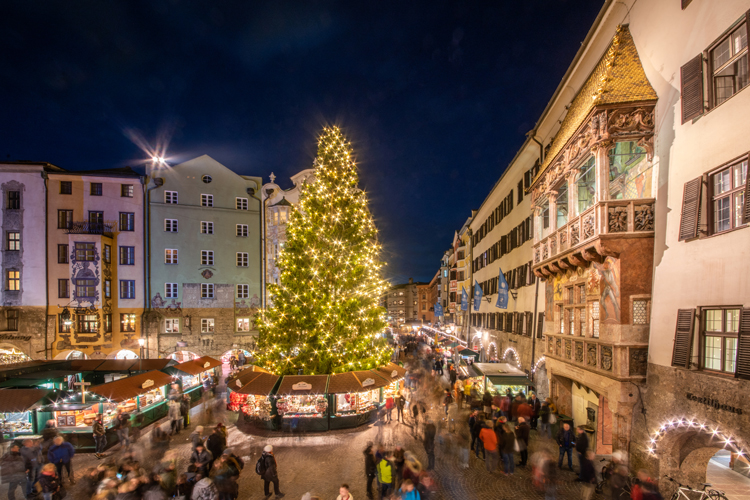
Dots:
pixel 235 462
pixel 202 459
pixel 270 475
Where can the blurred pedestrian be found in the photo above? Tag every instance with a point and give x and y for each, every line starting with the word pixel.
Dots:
pixel 565 440
pixel 582 444
pixel 175 418
pixel 400 403
pixel 202 459
pixel 389 404
pixel 100 436
pixel 509 448
pixel 536 406
pixel 429 443
pixel 370 467
pixel 122 428
pixel 270 473
pixel 196 437
pixel 588 476
pixel 48 481
pixel 13 471
pixel 522 436
pixel 408 492
pixel 344 493
pixel 32 455
pixel 215 443
pixel 61 454
pixel 489 441
pixel 385 477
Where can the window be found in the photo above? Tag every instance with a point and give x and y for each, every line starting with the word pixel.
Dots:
pixel 595 319
pixel 719 331
pixel 107 323
pixel 241 203
pixel 562 204
pixel 207 325
pixel 243 291
pixel 85 289
pixel 85 252
pixel 127 289
pixel 282 215
pixel 63 289
pixel 207 200
pixel 14 200
pixel 728 62
pixel 127 221
pixel 96 189
pixel 561 316
pixel 629 172
pixel 88 323
pixel 107 254
pixel 727 188
pixel 243 324
pixel 107 289
pixel 170 290
pixel 62 326
pixel 66 187
pixel 207 257
pixel 207 291
pixel 64 219
pixel 12 240
pixel 242 230
pixel 242 259
pixel 126 190
pixel 127 256
pixel 586 185
pixel 207 227
pixel 127 322
pixel 96 220
pixel 170 225
pixel 640 311
pixel 170 256
pixel 170 197
pixel 207 179
pixel 172 325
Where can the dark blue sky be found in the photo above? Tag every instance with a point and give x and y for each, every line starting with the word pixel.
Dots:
pixel 435 96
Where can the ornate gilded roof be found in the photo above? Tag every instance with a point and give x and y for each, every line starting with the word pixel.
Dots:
pixel 617 78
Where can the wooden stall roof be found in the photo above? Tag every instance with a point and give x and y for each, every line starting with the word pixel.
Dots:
pixel 18 400
pixel 260 385
pixel 85 365
pixel 342 383
pixel 194 367
pixel 146 365
pixel 244 375
pixel 391 372
pixel 364 376
pixel 318 383
pixel 115 365
pixel 130 387
pixel 47 374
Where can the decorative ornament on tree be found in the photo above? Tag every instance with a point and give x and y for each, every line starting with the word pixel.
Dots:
pixel 325 316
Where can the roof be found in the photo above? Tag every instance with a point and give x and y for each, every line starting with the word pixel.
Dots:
pixel 47 374
pixel 261 384
pixel 195 366
pixel 130 387
pixel 498 369
pixel 364 376
pixel 145 365
pixel 18 400
pixel 105 172
pixel 318 385
pixel 391 372
pixel 244 375
pixel 85 365
pixel 617 78
pixel 115 365
pixel 283 203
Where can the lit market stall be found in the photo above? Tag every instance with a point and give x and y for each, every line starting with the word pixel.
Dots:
pixel 251 394
pixel 355 397
pixel 191 374
pixel 394 375
pixel 18 412
pixel 302 404
pixel 497 378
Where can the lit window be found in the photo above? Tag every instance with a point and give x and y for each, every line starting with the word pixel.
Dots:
pixel 595 319
pixel 127 322
pixel 207 325
pixel 12 240
pixel 172 325
pixel 640 312
pixel 85 252
pixel 170 256
pixel 88 323
pixel 85 289
pixel 243 324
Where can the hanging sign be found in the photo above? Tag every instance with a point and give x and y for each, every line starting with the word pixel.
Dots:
pixel 147 383
pixel 368 381
pixel 464 299
pixel 239 384
pixel 394 374
pixel 206 364
pixel 502 292
pixel 477 296
pixel 301 386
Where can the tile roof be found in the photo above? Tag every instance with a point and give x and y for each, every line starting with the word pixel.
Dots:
pixel 130 387
pixel 617 78
pixel 318 383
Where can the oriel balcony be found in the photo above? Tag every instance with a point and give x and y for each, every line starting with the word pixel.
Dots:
pixel 583 238
pixel 106 228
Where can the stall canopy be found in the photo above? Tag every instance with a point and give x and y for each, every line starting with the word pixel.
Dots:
pixel 20 400
pixel 391 372
pixel 194 367
pixel 342 383
pixel 244 376
pixel 261 384
pixel 85 365
pixel 303 385
pixel 130 387
pixel 146 365
pixel 37 378
pixel 502 373
pixel 468 353
pixel 115 365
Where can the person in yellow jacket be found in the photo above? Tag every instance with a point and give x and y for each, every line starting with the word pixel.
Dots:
pixel 467 393
pixel 385 476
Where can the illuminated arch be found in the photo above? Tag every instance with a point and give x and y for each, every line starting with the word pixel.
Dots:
pixel 490 350
pixel 539 362
pixel 684 424
pixel 515 355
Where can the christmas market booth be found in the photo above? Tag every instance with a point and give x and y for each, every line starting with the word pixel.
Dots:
pixel 19 417
pixel 302 403
pixel 250 393
pixel 497 378
pixel 191 375
pixel 394 375
pixel 355 397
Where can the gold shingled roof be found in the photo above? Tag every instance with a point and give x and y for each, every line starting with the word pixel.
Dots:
pixel 617 78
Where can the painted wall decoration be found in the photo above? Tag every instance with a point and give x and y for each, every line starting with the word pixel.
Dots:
pixel 12 260
pixel 171 309
pixel 249 308
pixel 549 311
pixel 84 270
pixel 609 275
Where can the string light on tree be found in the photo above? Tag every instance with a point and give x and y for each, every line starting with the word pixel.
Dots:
pixel 325 316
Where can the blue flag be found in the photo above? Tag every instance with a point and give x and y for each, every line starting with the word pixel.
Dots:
pixel 477 296
pixel 438 310
pixel 502 292
pixel 464 299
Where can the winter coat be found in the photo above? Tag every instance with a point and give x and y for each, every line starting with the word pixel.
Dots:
pixel 183 490
pixel 174 411
pixel 588 474
pixel 389 403
pixel 216 443
pixel 32 456
pixel 409 495
pixel 205 489
pixel 370 469
pixel 544 413
pixel 487 399
pixel 489 439
pixel 271 472
pixel 49 484
pixel 196 439
pixel 522 433
pixel 223 478
pixel 12 467
pixel 582 442
pixel 509 442
pixel 524 410
pixel 429 437
pixel 400 402
pixel 184 407
pixel 505 404
pixel 536 405
pixel 98 429
pixel 565 438
pixel 61 453
pixel 385 472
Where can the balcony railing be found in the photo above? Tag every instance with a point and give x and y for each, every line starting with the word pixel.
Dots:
pixel 107 228
pixel 606 217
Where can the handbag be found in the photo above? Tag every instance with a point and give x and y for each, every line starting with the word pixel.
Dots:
pixel 516 446
pixel 552 419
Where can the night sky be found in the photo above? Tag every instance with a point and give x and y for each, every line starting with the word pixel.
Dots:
pixel 435 96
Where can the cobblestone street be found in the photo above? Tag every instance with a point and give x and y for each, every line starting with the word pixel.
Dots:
pixel 320 463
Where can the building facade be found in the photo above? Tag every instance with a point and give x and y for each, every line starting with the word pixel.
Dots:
pixel 461 276
pixel 425 306
pixel 95 263
pixel 205 263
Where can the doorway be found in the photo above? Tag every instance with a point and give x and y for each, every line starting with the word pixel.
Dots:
pixel 729 473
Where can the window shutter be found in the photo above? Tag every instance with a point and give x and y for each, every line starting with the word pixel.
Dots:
pixel 685 3
pixel 529 323
pixel 742 369
pixel 683 338
pixel 691 200
pixel 746 208
pixel 540 325
pixel 691 77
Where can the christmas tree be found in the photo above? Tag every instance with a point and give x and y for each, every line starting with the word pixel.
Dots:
pixel 325 316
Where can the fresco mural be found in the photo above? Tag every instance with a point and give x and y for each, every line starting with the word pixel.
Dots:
pixel 609 285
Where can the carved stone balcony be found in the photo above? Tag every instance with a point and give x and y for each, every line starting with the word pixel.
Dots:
pixel 583 238
pixel 107 228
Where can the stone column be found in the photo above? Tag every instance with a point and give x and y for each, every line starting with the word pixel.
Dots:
pixel 601 153
pixel 552 211
pixel 572 177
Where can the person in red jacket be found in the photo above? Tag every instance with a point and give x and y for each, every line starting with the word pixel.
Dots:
pixel 389 404
pixel 489 441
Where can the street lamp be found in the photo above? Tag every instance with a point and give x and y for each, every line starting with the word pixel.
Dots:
pixel 141 342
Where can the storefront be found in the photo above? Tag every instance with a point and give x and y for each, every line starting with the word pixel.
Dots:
pixel 42 379
pixel 302 404
pixel 251 394
pixel 355 398
pixel 18 412
pixel 183 356
pixel 10 355
pixel 190 375
pixel 394 375
pixel 498 378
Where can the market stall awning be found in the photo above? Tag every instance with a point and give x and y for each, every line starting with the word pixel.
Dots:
pixel 194 367
pixel 303 385
pixel 85 365
pixel 512 380
pixel 391 372
pixel 468 352
pixel 261 384
pixel 453 344
pixel 502 373
pixel 244 376
pixel 18 400
pixel 370 379
pixel 115 365
pixel 130 387
pixel 342 383
pixel 146 365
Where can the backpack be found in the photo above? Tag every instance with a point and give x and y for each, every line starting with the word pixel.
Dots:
pixel 260 466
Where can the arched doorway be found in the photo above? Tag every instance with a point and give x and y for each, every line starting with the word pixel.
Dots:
pixel 11 354
pixel 511 356
pixel 236 352
pixel 122 354
pixel 182 356
pixel 71 354
pixel 492 352
pixel 728 472
pixel 541 382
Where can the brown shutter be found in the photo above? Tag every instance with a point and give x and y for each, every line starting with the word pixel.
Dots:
pixel 746 208
pixel 540 325
pixel 685 3
pixel 683 338
pixel 691 77
pixel 742 366
pixel 691 200
pixel 529 323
